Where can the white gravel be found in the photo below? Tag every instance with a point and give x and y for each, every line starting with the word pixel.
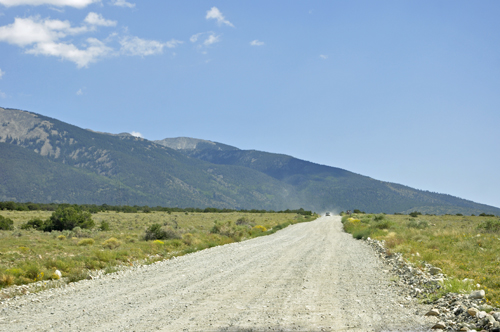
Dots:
pixel 307 277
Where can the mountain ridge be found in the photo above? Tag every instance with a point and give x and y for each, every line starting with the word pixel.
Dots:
pixel 124 169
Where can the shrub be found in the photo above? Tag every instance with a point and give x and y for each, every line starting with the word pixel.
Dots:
pixel 361 233
pixel 61 237
pixel 415 214
pixel 229 229
pixel 154 232
pixel 243 221
pixel 260 228
pixel 188 238
pixel 158 242
pixel 491 226
pixel 86 242
pixel 111 243
pixel 6 280
pixel 378 217
pixel 78 275
pixel 6 224
pixel 384 224
pixel 417 224
pixel 32 271
pixel 67 218
pixel 35 223
pixel 157 232
pixel 104 226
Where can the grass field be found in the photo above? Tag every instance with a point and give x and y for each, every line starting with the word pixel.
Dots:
pixel 29 255
pixel 464 247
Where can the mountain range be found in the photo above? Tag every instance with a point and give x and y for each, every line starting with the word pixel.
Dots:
pixel 46 160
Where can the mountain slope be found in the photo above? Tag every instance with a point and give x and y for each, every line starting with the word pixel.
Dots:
pixel 46 160
pixel 323 187
pixel 140 172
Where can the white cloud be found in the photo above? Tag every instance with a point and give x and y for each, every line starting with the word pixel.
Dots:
pixel 45 37
pixel 123 3
pixel 57 3
pixel 82 57
pixel 322 56
pixel 50 38
pixel 256 43
pixel 212 39
pixel 97 19
pixel 1 73
pixel 142 47
pixel 136 134
pixel 3 95
pixel 214 13
pixel 27 31
pixel 79 92
pixel 173 43
pixel 194 38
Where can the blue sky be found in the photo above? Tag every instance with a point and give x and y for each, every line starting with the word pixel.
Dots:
pixel 401 91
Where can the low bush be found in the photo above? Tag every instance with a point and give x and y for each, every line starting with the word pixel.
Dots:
pixel 384 224
pixel 419 224
pixel 104 226
pixel 6 280
pixel 159 232
pixel 111 243
pixel 6 224
pixel 86 242
pixel 35 223
pixel 490 226
pixel 362 233
pixel 260 228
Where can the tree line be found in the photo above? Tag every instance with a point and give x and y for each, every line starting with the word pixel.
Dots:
pixel 93 208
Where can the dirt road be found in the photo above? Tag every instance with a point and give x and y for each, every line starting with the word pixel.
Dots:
pixel 307 277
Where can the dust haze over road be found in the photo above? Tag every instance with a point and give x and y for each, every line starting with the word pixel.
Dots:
pixel 307 277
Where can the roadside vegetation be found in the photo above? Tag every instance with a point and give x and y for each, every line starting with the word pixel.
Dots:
pixel 35 244
pixel 466 248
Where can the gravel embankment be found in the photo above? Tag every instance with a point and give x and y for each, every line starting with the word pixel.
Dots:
pixel 307 277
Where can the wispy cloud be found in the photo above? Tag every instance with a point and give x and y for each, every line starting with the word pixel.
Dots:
pixel 123 3
pixel 79 92
pixel 194 38
pixel 136 134
pixel 143 47
pixel 212 39
pixel 57 3
pixel 256 43
pixel 214 13
pixel 322 56
pixel 1 73
pixel 3 95
pixel 97 19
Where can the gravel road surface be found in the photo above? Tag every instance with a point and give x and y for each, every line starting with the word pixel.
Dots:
pixel 307 277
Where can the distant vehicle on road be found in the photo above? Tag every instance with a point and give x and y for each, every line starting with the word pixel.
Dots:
pixel 327 214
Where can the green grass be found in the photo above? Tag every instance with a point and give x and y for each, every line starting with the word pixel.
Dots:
pixel 464 247
pixel 29 255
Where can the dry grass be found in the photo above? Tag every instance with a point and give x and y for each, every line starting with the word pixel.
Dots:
pixel 29 255
pixel 463 246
